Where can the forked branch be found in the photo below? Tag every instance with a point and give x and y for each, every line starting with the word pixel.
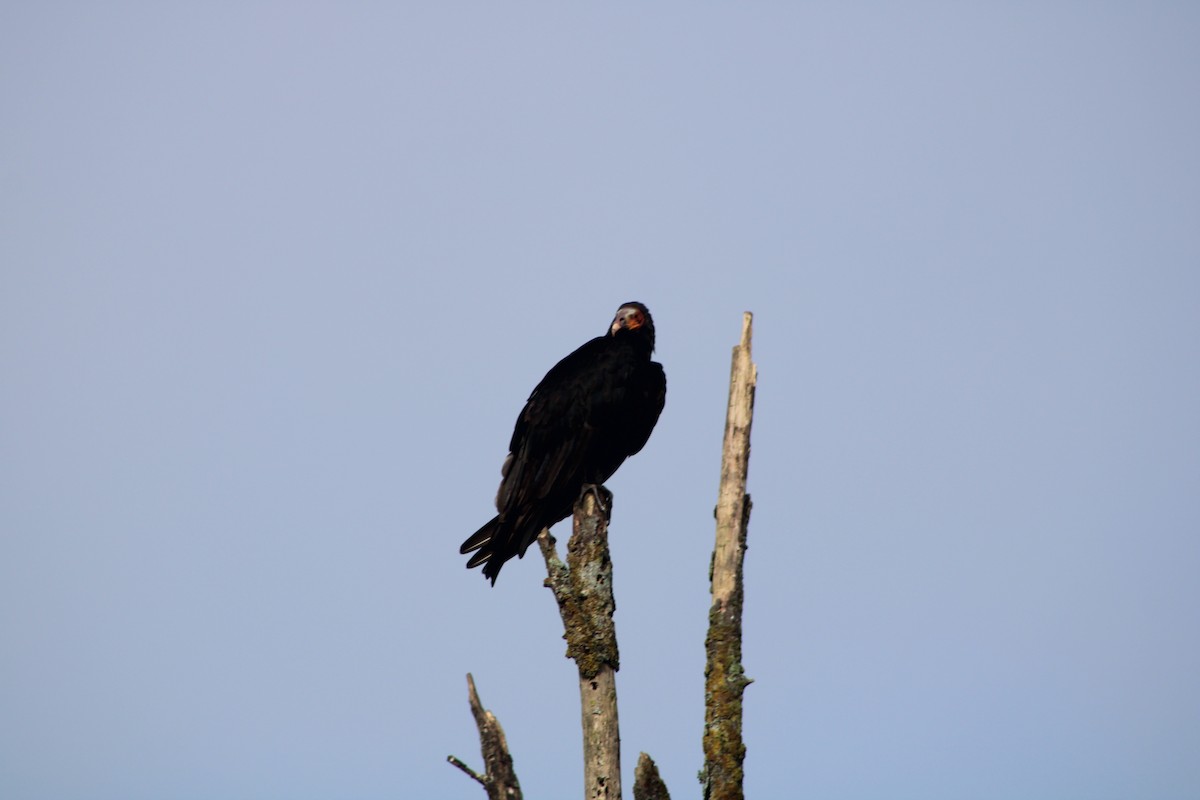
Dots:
pixel 499 779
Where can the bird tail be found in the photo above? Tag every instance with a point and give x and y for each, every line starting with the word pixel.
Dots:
pixel 478 540
pixel 484 541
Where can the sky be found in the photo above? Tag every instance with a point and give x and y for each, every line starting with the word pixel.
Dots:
pixel 276 278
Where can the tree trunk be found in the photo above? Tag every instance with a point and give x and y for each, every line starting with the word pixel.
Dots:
pixel 583 589
pixel 724 677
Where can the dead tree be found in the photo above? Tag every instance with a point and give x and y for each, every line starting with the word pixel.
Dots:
pixel 724 678
pixel 583 589
pixel 499 779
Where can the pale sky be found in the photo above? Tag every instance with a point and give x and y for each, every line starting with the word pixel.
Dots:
pixel 276 278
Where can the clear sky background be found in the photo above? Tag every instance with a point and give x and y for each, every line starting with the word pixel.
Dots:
pixel 277 278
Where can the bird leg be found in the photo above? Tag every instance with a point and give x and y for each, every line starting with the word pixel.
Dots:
pixel 602 496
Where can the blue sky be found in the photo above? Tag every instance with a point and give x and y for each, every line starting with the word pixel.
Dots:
pixel 278 277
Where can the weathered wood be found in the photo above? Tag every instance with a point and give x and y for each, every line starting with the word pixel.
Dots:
pixel 647 783
pixel 725 679
pixel 499 779
pixel 583 589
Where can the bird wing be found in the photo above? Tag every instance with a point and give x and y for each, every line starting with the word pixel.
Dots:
pixel 649 397
pixel 552 436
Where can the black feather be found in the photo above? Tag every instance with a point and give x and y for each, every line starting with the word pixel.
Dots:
pixel 594 409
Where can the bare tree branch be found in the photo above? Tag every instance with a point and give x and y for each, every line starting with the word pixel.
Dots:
pixel 499 779
pixel 583 589
pixel 647 783
pixel 472 773
pixel 725 679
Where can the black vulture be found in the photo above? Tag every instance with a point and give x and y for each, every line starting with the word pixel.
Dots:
pixel 594 409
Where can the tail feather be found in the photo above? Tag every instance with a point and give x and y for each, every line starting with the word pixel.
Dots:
pixel 491 549
pixel 494 544
pixel 480 538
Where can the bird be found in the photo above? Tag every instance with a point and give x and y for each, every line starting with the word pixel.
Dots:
pixel 592 410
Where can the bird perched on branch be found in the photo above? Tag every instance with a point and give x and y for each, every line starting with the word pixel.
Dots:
pixel 594 409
